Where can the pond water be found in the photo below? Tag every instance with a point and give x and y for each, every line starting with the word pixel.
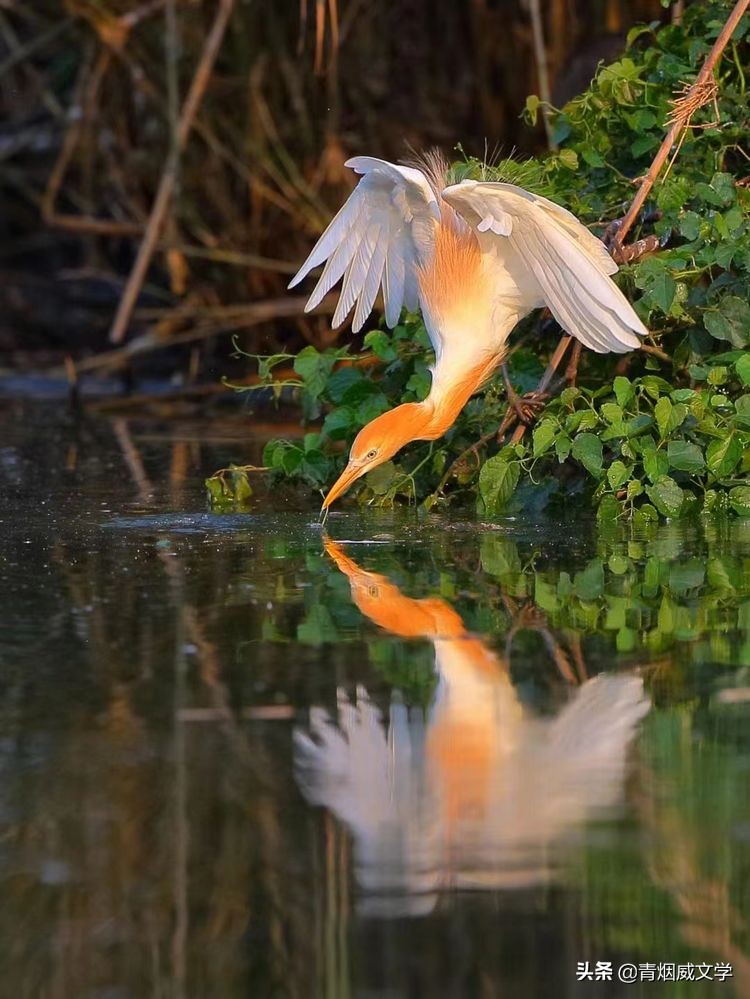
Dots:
pixel 415 756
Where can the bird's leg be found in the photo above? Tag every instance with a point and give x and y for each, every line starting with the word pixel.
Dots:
pixel 571 372
pixel 542 389
pixel 640 248
pixel 529 617
pixel 526 406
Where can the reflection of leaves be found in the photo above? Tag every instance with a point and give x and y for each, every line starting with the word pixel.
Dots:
pixel 317 627
pixel 589 584
pixel 499 556
pixel 739 497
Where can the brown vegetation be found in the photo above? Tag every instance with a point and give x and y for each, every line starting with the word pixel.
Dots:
pixel 114 106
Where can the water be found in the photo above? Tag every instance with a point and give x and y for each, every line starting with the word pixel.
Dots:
pixel 420 757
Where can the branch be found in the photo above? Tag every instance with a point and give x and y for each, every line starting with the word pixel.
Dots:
pixel 684 108
pixel 680 121
pixel 171 167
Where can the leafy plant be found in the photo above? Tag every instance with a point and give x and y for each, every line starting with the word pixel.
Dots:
pixel 663 432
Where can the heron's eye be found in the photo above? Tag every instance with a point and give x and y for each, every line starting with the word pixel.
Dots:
pixel 371 454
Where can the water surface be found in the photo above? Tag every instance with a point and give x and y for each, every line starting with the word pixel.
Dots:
pixel 419 756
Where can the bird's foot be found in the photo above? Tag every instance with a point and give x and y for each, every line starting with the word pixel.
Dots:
pixel 527 407
pixel 631 252
pixel 523 410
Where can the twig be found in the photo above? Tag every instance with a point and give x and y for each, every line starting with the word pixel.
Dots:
pixel 169 175
pixel 22 53
pixel 542 66
pixel 249 315
pixel 680 121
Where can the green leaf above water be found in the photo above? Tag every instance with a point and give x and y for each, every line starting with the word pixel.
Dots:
pixel 587 448
pixel 497 482
pixel 685 457
pixel 739 498
pixel 666 496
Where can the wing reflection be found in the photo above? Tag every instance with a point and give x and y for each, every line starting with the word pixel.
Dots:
pixel 479 794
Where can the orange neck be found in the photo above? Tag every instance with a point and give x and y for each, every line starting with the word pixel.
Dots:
pixel 447 399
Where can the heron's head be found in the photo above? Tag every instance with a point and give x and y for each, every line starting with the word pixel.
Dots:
pixel 379 441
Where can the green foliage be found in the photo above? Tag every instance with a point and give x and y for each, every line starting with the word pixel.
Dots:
pixel 662 433
pixel 677 589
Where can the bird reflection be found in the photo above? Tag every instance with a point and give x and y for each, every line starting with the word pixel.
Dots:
pixel 480 793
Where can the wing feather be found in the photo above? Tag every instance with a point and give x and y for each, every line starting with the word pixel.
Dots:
pixel 393 283
pixel 336 265
pixel 373 280
pixel 584 309
pixel 552 257
pixel 377 239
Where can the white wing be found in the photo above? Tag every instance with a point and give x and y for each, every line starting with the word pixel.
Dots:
pixel 378 238
pixel 554 258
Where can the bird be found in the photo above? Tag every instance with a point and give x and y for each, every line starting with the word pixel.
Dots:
pixel 478 792
pixel 476 257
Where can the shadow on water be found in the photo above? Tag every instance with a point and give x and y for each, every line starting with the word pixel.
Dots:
pixel 433 757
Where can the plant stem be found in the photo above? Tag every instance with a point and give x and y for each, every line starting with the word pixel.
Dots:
pixel 647 183
pixel 680 123
pixel 170 172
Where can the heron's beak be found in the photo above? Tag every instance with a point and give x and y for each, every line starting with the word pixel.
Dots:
pixel 350 474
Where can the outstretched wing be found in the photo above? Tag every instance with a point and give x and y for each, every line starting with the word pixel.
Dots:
pixel 553 256
pixel 378 238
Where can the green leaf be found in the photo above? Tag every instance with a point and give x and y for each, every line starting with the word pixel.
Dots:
pixel 654 278
pixel 563 445
pixel 609 508
pixel 340 424
pixel 644 144
pixel 313 368
pixel 381 345
pixel 685 457
pixel 497 482
pixel 655 464
pixel 669 416
pixel 419 383
pixel 380 478
pixel 742 407
pixel 612 413
pixel 722 456
pixel 587 448
pixel 531 108
pixel 273 453
pixel 341 382
pixel 316 466
pixel 663 291
pixel 624 390
pixel 543 437
pixel 739 498
pixel 655 386
pixel 666 496
pixel 731 321
pixel 374 405
pixel 617 474
pixel 690 225
pixel 635 488
pixel 568 158
pixel 742 368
